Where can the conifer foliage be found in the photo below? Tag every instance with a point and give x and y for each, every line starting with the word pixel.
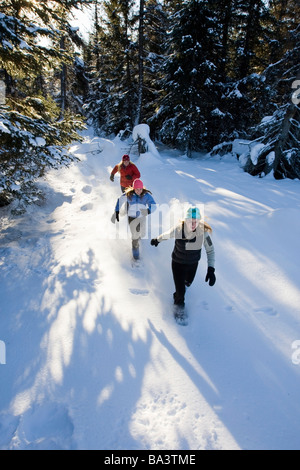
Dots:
pixel 204 72
pixel 200 73
pixel 191 77
pixel 278 134
pixel 113 99
pixel 33 130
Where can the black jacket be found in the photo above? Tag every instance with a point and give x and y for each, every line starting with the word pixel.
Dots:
pixel 187 249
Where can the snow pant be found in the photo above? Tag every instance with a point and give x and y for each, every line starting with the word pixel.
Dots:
pixel 183 275
pixel 138 230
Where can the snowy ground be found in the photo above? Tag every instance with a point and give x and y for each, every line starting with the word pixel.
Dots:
pixel 93 358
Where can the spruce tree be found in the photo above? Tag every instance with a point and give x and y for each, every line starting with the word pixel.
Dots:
pixel 156 26
pixel 112 102
pixel 250 37
pixel 248 32
pixel 279 131
pixel 191 76
pixel 32 136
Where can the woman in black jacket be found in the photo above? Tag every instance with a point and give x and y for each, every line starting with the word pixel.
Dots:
pixel 190 235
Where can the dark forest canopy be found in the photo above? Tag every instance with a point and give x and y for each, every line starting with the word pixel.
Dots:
pixel 200 73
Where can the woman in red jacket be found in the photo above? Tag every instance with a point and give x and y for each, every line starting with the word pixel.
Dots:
pixel 128 172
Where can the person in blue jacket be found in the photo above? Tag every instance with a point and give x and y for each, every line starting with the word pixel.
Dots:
pixel 139 203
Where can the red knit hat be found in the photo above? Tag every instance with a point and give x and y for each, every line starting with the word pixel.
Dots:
pixel 138 184
pixel 126 158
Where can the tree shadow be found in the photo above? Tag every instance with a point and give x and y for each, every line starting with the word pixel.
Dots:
pixel 249 385
pixel 78 371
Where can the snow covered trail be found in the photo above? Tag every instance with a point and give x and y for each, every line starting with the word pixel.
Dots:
pixel 94 359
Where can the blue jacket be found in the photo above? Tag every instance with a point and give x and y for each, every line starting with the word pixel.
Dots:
pixel 136 205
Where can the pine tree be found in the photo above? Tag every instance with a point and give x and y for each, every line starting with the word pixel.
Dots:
pixel 141 53
pixel 248 33
pixel 68 40
pixel 191 76
pixel 279 132
pixel 250 37
pixel 156 26
pixel 33 138
pixel 112 103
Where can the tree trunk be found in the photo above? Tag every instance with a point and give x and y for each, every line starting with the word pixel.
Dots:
pixel 98 61
pixel 225 37
pixel 63 83
pixel 139 115
pixel 250 33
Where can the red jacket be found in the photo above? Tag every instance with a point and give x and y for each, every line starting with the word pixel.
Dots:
pixel 130 171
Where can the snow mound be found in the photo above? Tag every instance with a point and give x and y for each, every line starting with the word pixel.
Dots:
pixel 241 146
pixel 142 131
pixel 95 146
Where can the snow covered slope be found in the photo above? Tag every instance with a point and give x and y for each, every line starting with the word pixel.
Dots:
pixel 93 357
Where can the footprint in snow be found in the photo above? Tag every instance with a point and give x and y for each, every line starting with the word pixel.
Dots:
pixel 139 291
pixel 87 189
pixel 267 310
pixel 87 207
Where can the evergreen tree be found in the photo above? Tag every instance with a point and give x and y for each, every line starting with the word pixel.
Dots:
pixel 70 66
pixel 191 77
pixel 32 136
pixel 79 86
pixel 249 57
pixel 141 39
pixel 279 132
pixel 112 102
pixel 156 26
pixel 248 32
pixel 225 12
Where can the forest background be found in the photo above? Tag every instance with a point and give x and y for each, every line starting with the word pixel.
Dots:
pixel 200 73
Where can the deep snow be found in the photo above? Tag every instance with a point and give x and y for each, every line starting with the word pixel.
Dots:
pixel 93 357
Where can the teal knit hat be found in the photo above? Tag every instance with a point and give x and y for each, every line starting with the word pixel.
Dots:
pixel 193 213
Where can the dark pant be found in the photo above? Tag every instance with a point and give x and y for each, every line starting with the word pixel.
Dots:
pixel 183 275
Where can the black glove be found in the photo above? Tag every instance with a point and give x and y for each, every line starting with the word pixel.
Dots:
pixel 210 276
pixel 154 242
pixel 128 177
pixel 112 178
pixel 115 217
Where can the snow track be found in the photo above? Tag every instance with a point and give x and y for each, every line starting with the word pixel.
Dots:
pixel 94 358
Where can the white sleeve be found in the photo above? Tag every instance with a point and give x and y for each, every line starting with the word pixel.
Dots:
pixel 168 234
pixel 210 250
